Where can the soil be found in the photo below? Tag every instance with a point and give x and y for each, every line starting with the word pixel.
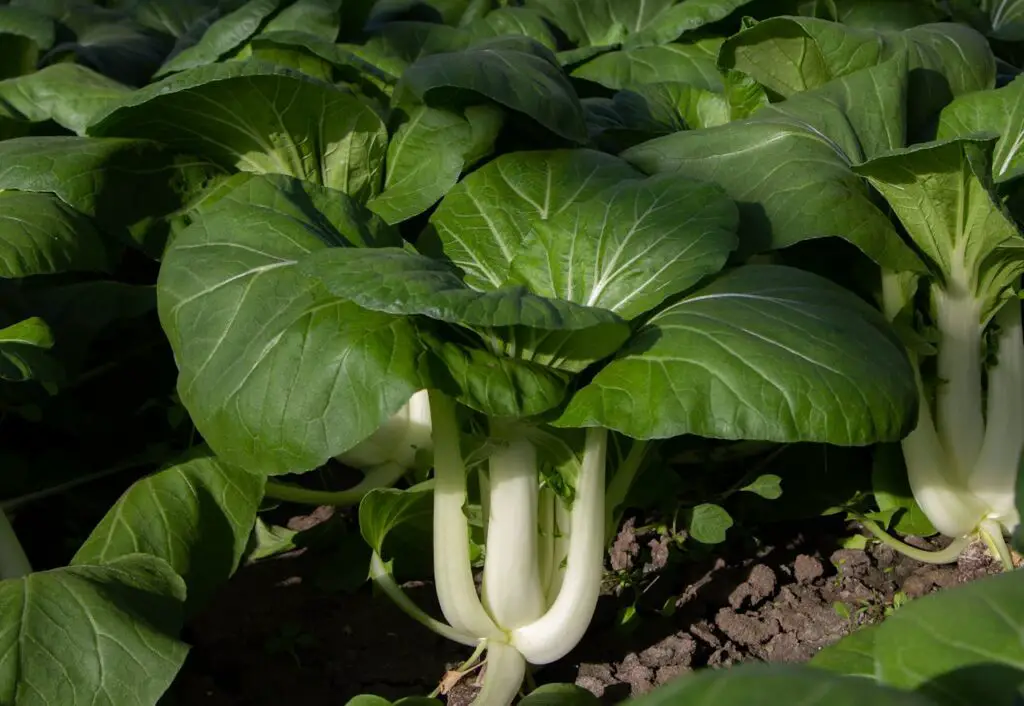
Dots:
pixel 275 635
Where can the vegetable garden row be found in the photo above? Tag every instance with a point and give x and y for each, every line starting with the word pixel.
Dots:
pixel 531 267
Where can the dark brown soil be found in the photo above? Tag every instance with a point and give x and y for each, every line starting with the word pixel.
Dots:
pixel 275 637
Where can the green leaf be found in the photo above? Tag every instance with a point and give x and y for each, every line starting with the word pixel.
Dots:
pixel 40 234
pixel 1002 20
pixel 26 22
pixel 767 485
pixel 762 353
pixel 259 118
pixel 277 374
pixel 118 182
pixel 605 22
pixel 631 246
pixel 68 94
pixel 173 17
pixel 506 21
pixel 788 166
pixel 891 488
pixel 222 37
pixel 708 523
pixel 694 64
pixel 427 155
pixel 23 352
pixel 103 635
pixel 999 111
pixel 321 59
pixel 559 695
pixel 515 72
pixel 196 515
pixel 959 646
pixel 793 54
pixel 940 193
pixel 483 222
pixel 762 685
pixel 119 49
pixel 383 509
pixel 886 14
pixel 854 655
pixel 371 700
pixel 320 18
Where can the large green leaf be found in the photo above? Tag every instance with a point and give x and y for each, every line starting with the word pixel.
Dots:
pixel 793 54
pixel 427 155
pixel 196 515
pixel 26 22
pixel 1000 19
pixel 116 181
pixel 765 353
pixel 884 14
pixel 515 72
pixel 91 635
pixel 506 21
pixel 939 191
pixel 694 64
pixel 172 17
pixel 789 166
pixel 221 37
pixel 319 18
pixel 40 234
pixel 278 374
pixel 483 222
pixel 999 111
pixel 118 48
pixel 68 94
pixel 598 23
pixel 631 246
pixel 259 118
pixel 765 685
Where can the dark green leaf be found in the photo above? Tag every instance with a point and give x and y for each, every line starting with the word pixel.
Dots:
pixel 40 234
pixel 854 655
pixel 68 94
pixel 693 64
pixel 998 111
pixel 708 523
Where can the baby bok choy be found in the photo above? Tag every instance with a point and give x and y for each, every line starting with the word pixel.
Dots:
pixel 555 295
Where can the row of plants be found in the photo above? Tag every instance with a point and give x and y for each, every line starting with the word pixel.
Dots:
pixel 506 259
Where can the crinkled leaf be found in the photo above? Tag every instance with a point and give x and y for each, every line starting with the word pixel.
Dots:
pixel 221 37
pixel 40 234
pixel 999 111
pixel 762 685
pixel 694 64
pixel 940 193
pixel 708 523
pixel 793 54
pixel 196 515
pixel 762 353
pixel 68 94
pixel 515 72
pixel 427 155
pixel 631 246
pixel 789 166
pixel 959 646
pixel 278 374
pixel 92 635
pixel 483 222
pixel 259 118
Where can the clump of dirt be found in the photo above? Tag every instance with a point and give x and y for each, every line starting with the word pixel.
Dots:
pixel 275 635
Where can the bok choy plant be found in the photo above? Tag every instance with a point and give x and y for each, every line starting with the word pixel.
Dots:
pixel 557 297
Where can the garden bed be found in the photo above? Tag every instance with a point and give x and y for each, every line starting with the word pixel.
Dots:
pixel 284 631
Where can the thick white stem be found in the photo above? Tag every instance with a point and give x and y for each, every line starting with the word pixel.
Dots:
pixel 512 588
pixel 995 474
pixel 13 562
pixel 562 627
pixel 952 510
pixel 453 572
pixel 398 439
pixel 958 407
pixel 503 677
pixel 546 536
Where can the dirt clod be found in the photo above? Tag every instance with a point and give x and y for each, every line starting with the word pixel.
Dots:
pixel 807 568
pixel 759 586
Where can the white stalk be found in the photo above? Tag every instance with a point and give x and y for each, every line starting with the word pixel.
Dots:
pixel 503 675
pixel 398 439
pixel 958 408
pixel 995 475
pixel 561 628
pixel 13 562
pixel 512 587
pixel 940 496
pixel 453 572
